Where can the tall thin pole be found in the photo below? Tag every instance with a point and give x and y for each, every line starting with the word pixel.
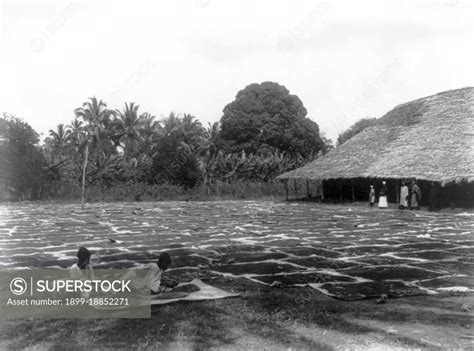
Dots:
pixel 398 191
pixel 84 176
pixel 340 190
pixel 352 188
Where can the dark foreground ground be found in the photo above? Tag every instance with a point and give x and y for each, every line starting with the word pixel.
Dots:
pixel 309 275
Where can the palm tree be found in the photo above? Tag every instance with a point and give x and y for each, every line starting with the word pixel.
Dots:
pixel 127 129
pixel 77 130
pixel 149 130
pixel 99 137
pixel 187 130
pixel 78 142
pixel 78 137
pixel 171 124
pixel 60 136
pixel 98 119
pixel 208 153
pixel 60 140
pixel 193 133
pixel 212 132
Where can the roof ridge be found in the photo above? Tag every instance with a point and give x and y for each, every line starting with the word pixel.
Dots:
pixel 429 96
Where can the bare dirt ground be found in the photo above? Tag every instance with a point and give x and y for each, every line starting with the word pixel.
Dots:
pixel 309 275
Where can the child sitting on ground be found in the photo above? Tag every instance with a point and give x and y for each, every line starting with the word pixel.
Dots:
pixel 82 270
pixel 155 272
pixel 154 275
pixel 82 267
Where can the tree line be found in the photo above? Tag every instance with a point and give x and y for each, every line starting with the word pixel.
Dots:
pixel 262 133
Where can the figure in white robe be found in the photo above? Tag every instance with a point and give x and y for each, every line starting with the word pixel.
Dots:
pixel 383 196
pixel 404 196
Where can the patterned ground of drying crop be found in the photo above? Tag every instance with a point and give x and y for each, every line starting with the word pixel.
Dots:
pixel 346 252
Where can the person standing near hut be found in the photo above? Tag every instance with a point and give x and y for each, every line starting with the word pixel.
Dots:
pixel 415 196
pixel 403 196
pixel 383 196
pixel 372 196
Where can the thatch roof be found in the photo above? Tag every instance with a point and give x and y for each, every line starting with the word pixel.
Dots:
pixel 431 138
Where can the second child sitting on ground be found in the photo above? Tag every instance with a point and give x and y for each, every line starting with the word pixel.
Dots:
pixel 155 274
pixel 153 279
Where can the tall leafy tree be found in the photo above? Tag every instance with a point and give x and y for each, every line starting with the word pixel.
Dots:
pixel 23 171
pixel 266 117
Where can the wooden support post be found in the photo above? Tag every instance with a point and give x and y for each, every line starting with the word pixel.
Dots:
pixel 296 188
pixel 286 188
pixel 352 188
pixel 340 190
pixel 398 192
pixel 307 189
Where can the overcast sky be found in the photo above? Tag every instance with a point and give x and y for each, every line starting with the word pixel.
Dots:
pixel 346 60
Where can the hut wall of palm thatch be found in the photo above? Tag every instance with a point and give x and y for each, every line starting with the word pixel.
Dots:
pixel 429 139
pixel 434 195
pixel 304 188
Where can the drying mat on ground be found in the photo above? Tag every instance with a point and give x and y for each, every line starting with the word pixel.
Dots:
pixel 362 290
pixel 196 290
pixel 205 292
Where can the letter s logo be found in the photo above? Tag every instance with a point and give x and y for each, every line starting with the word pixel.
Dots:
pixel 18 286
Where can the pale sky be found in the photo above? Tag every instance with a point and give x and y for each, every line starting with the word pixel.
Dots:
pixel 346 60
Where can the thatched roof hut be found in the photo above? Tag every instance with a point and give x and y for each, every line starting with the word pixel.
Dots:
pixel 430 139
